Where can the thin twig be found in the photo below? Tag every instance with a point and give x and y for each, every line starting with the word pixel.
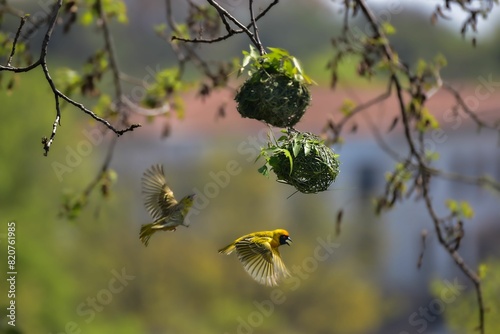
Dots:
pixel 421 256
pixel 336 128
pixel 18 32
pixel 224 15
pixel 380 140
pixel 108 40
pixel 406 122
pixel 481 181
pixel 43 55
pixel 255 28
pixel 467 110
pixel 454 254
pixel 104 167
pixel 368 104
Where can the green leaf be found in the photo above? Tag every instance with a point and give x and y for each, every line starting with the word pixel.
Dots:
pixel 432 155
pixel 395 58
pixel 296 147
pixel 264 170
pixel 261 154
pixel 116 9
pixel 297 65
pixel 87 18
pixel 287 154
pixel 452 205
pixel 246 61
pixel 307 148
pixel 279 52
pixel 182 31
pixel 254 53
pixel 308 80
pixel 275 61
pixel 462 209
pixel 421 68
pixel 347 107
pixel 282 138
pixel 440 60
pixel 103 105
pixel 388 28
pixel 67 80
pixel 112 175
pixel 466 210
pixel 427 121
pixel 160 28
pixel 482 270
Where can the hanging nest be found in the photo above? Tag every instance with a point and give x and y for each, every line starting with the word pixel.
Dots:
pixel 274 98
pixel 302 160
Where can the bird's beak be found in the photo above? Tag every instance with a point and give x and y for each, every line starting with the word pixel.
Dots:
pixel 287 240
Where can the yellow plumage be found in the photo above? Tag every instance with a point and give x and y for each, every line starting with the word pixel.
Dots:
pixel 258 252
pixel 161 204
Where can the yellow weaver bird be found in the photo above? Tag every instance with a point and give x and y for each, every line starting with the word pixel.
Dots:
pixel 259 254
pixel 161 204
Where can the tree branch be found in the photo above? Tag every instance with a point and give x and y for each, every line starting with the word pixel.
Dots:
pixel 42 61
pixel 18 32
pixel 255 28
pixel 466 109
pixel 104 168
pixel 337 128
pixel 423 171
pixel 454 254
pixel 223 14
pixel 110 49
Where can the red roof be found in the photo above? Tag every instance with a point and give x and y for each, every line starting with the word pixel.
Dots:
pixel 202 114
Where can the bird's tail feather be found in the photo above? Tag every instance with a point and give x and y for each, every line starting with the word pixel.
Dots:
pixel 147 231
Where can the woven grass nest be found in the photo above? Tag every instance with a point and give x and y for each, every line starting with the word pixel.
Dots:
pixel 302 160
pixel 274 98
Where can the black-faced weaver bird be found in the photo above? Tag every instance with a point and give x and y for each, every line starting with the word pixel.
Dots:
pixel 260 256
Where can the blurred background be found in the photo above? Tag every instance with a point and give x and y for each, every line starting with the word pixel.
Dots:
pixel 92 274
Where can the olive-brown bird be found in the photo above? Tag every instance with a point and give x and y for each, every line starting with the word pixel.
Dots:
pixel 161 204
pixel 259 254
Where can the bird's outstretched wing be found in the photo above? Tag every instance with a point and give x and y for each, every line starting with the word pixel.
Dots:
pixel 158 197
pixel 260 260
